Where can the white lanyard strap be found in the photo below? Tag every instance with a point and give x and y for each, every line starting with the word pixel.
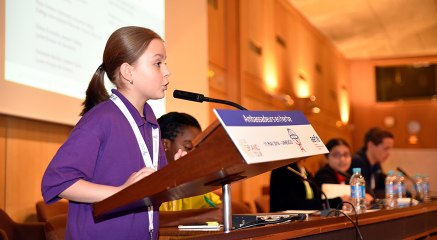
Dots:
pixel 143 147
pixel 140 139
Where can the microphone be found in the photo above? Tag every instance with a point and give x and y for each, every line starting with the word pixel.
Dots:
pixel 326 209
pixel 405 174
pixel 197 97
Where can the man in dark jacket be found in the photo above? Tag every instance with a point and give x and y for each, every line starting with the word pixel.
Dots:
pixel 377 147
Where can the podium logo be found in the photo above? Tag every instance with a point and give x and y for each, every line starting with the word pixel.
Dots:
pixel 315 139
pixel 252 150
pixel 317 142
pixel 295 138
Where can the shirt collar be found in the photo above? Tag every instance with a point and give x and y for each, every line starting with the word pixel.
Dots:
pixel 149 116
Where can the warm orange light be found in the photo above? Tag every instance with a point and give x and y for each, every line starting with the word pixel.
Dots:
pixel 211 73
pixel 270 74
pixel 302 86
pixel 343 100
pixel 315 110
pixel 413 139
pixel 302 90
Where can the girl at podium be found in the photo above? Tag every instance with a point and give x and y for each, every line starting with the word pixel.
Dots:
pixel 116 142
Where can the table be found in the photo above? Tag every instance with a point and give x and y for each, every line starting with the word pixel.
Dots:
pixel 403 223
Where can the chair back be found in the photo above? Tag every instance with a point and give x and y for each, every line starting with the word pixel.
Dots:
pixel 262 204
pixel 46 211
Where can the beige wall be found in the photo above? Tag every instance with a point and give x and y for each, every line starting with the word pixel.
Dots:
pixel 27 148
pixel 415 161
pixel 186 37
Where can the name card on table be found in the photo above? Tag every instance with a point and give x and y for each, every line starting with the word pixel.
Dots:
pixel 263 136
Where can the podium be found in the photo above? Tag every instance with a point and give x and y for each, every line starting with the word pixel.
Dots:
pixel 213 163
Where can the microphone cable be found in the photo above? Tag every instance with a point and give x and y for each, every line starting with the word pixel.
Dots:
pixel 337 211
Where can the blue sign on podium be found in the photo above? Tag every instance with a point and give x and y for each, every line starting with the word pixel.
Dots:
pixel 263 136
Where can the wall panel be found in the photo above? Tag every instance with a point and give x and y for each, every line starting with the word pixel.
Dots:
pixel 2 161
pixel 30 145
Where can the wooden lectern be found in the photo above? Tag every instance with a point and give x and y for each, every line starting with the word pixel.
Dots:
pixel 215 162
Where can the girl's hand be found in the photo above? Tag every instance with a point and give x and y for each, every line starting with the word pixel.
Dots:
pixel 136 176
pixel 179 154
pixel 88 192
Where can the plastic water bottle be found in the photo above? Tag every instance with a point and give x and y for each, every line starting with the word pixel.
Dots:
pixel 418 186
pixel 425 188
pixel 358 186
pixel 391 200
pixel 401 189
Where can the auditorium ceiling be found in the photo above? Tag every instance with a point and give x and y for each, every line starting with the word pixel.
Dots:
pixel 373 29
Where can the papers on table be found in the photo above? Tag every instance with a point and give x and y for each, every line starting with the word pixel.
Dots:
pixel 336 190
pixel 205 227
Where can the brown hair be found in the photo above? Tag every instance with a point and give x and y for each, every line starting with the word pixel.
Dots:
pixel 335 142
pixel 376 136
pixel 125 45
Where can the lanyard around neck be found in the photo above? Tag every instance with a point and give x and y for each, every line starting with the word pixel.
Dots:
pixel 142 145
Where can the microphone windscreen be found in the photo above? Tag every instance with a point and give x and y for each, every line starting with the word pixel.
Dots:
pixel 196 97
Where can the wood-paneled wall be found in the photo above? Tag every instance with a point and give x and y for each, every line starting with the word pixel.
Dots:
pixel 27 146
pixel 252 42
pixel 2 162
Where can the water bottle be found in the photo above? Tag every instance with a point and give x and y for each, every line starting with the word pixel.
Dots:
pixel 425 188
pixel 391 200
pixel 418 186
pixel 358 185
pixel 401 189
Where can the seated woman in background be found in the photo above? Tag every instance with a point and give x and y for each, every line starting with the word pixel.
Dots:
pixel 335 171
pixel 288 190
pixel 339 160
pixel 177 132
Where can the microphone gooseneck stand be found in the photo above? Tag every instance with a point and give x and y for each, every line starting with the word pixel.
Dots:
pixel 226 186
pixel 197 97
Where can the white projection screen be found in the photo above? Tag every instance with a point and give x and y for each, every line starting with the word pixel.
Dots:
pixel 50 50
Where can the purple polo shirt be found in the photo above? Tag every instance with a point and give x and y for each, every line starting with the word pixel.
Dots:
pixel 102 149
